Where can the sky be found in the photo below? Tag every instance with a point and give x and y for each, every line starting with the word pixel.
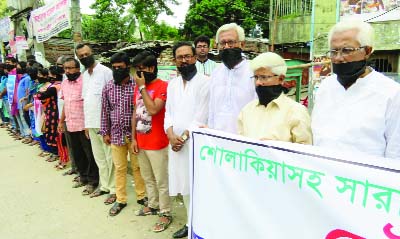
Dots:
pixel 179 12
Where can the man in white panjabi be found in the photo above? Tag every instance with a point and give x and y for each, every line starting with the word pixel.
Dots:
pixel 231 85
pixel 186 107
pixel 356 109
pixel 95 77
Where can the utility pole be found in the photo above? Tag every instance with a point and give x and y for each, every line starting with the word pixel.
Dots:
pixel 76 22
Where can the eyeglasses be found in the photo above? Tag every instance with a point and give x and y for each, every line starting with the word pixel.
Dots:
pixel 345 51
pixel 186 57
pixel 202 47
pixel 230 43
pixel 263 78
pixel 70 68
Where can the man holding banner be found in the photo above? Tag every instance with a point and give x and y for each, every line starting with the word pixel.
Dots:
pixel 357 109
pixel 186 107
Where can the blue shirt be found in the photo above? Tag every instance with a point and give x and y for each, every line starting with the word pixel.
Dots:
pixel 3 82
pixel 23 87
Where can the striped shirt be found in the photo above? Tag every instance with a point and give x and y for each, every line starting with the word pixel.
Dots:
pixel 71 93
pixel 207 67
pixel 116 111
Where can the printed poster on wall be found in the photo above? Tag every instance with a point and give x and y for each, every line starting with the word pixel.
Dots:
pixel 370 10
pixel 243 188
pixel 50 19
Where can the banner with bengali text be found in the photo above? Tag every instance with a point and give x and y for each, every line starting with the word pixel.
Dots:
pixel 50 19
pixel 4 29
pixel 243 188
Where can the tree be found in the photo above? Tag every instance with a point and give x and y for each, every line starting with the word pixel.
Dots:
pixel 163 31
pixel 3 8
pixel 137 15
pixel 206 16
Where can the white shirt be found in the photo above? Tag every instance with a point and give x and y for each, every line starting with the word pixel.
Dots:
pixel 206 67
pixel 230 91
pixel 363 118
pixel 93 85
pixel 186 107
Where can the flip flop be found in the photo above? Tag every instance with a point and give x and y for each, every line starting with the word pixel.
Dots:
pixel 97 193
pixel 110 199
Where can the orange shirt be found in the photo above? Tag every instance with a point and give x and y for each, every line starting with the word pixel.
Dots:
pixel 150 134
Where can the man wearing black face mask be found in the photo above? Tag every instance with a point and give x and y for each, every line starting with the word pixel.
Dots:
pixel 95 77
pixel 187 106
pixel 117 110
pixel 149 141
pixel 72 114
pixel 273 116
pixel 356 109
pixel 231 86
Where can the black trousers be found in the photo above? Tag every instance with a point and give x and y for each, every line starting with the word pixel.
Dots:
pixel 70 149
pixel 84 159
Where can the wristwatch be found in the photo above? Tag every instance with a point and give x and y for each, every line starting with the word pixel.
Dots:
pixel 141 88
pixel 184 137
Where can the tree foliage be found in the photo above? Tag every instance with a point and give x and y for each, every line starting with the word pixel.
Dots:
pixel 162 31
pixel 121 19
pixel 206 16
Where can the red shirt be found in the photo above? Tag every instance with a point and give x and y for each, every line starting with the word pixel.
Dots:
pixel 150 134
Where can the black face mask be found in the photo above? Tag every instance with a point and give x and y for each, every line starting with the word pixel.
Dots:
pixel 21 71
pixel 33 76
pixel 120 75
pixel 231 57
pixel 148 76
pixel 60 69
pixel 267 94
pixel 188 71
pixel 87 61
pixel 73 76
pixel 42 80
pixel 348 73
pixel 9 67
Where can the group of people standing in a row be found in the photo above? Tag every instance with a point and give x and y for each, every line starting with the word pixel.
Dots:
pixel 110 116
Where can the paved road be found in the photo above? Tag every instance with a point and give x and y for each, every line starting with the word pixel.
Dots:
pixel 37 202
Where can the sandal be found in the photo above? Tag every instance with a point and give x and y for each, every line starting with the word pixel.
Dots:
pixel 69 172
pixel 34 142
pixel 88 190
pixel 97 193
pixel 76 179
pixel 52 158
pixel 116 209
pixel 145 211
pixel 110 199
pixel 61 166
pixel 43 154
pixel 78 185
pixel 163 223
